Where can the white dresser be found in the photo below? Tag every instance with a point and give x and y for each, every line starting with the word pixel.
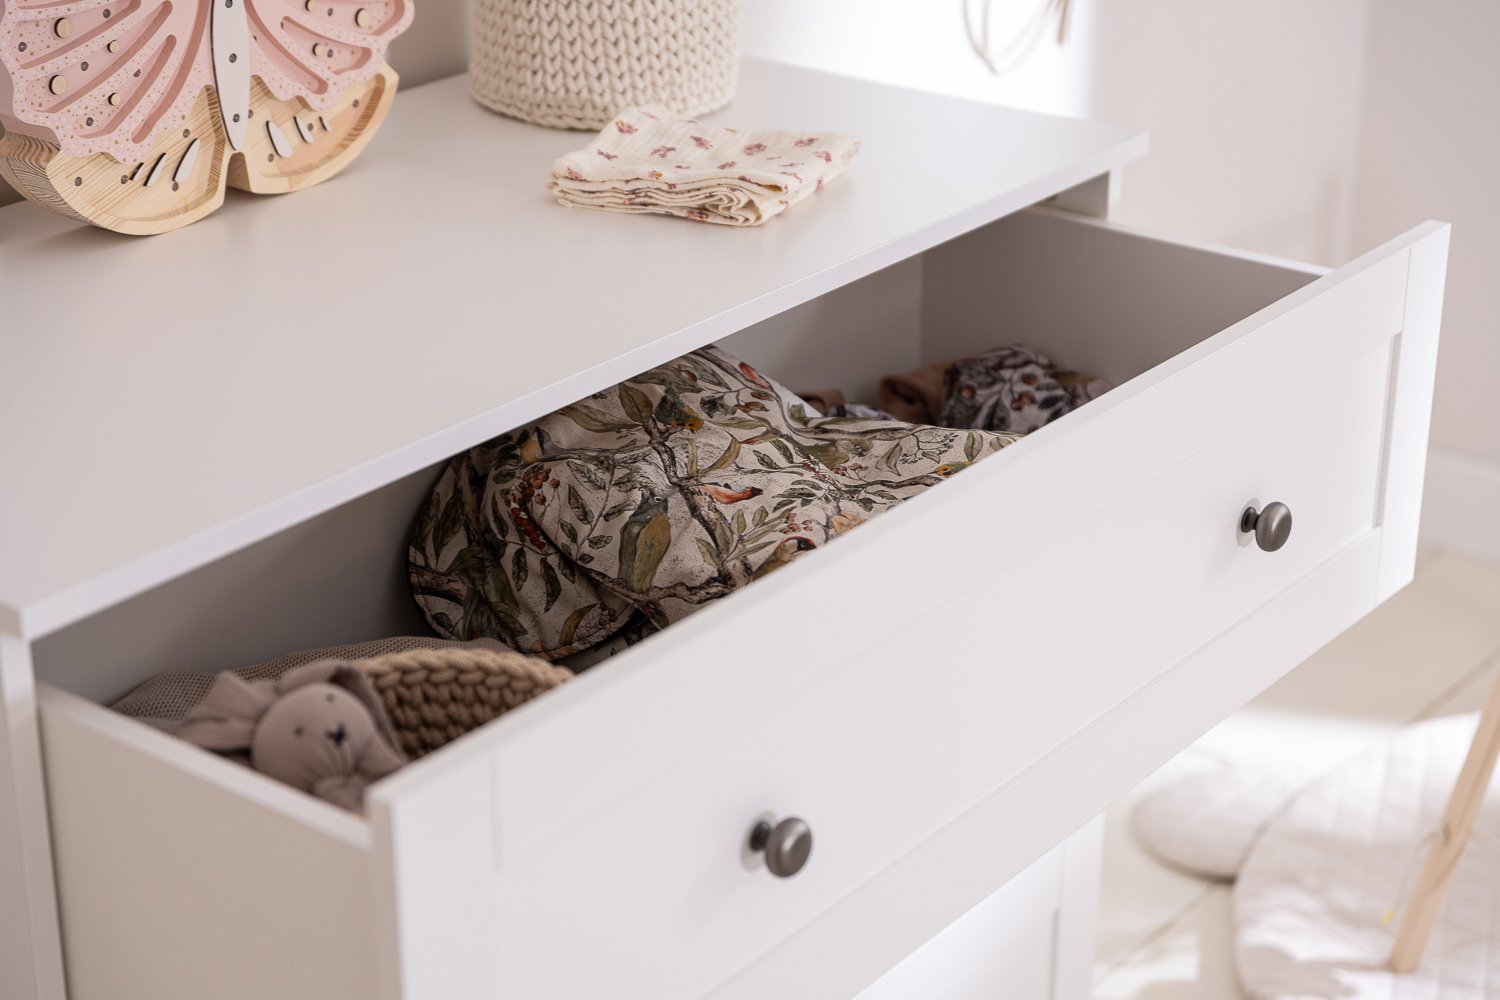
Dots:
pixel 212 444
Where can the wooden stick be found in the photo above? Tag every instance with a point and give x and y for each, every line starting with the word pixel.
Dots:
pixel 1458 823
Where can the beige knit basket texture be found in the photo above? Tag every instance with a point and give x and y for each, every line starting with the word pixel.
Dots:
pixel 434 696
pixel 434 690
pixel 578 63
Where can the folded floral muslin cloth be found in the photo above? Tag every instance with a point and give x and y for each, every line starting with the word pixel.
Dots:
pixel 652 160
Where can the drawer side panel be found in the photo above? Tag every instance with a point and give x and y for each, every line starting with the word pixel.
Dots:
pixel 175 886
pixel 31 965
pixel 1411 407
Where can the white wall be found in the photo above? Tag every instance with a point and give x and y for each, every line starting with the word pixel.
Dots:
pixel 1430 147
pixel 437 43
pixel 1252 108
pixel 922 44
pixel 1311 130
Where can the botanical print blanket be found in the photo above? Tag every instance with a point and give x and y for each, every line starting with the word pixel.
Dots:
pixel 616 516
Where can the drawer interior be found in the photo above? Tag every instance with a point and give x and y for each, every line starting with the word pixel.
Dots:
pixel 1094 296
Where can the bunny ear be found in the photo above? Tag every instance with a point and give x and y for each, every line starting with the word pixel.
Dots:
pixel 345 790
pixel 225 719
pixel 378 758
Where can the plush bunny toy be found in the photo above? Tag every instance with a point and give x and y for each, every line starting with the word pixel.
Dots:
pixel 320 728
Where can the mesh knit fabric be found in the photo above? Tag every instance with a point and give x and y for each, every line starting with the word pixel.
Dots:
pixel 576 63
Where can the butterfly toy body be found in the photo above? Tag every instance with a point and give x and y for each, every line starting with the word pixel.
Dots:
pixel 135 115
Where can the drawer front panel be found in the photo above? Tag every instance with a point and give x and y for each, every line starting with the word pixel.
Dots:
pixel 717 671
pixel 883 687
pixel 908 733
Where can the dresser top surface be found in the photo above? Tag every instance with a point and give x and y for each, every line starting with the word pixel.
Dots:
pixel 166 400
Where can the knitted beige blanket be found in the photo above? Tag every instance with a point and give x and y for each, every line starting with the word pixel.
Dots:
pixel 650 160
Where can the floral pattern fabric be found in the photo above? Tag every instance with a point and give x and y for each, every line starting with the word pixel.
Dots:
pixel 652 160
pixel 1012 389
pixel 1007 389
pixel 620 514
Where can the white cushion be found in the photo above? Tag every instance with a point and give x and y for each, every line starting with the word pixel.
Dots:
pixel 1311 894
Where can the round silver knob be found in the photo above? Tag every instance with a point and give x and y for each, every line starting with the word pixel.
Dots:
pixel 787 845
pixel 1272 526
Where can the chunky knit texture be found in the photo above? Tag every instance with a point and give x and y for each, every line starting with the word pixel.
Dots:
pixel 576 63
pixel 435 696
pixel 434 690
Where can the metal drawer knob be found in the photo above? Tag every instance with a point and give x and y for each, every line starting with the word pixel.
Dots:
pixel 1272 526
pixel 787 845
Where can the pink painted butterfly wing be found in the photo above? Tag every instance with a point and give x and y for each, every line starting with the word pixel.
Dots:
pixel 135 114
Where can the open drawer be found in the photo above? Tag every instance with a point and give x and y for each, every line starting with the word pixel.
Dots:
pixel 942 696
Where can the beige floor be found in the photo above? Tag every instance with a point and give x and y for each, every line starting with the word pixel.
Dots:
pixel 1431 650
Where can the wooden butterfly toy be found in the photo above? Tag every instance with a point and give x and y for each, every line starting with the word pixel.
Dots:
pixel 135 115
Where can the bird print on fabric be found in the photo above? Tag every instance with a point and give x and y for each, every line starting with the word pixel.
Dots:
pixel 724 494
pixel 605 521
pixel 643 542
pixel 783 553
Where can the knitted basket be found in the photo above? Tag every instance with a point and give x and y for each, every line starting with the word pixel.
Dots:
pixel 434 690
pixel 578 63
pixel 434 696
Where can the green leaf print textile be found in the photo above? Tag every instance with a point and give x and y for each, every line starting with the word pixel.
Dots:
pixel 616 516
